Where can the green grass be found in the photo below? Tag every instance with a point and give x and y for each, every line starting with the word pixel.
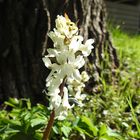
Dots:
pixel 128 47
pixel 122 100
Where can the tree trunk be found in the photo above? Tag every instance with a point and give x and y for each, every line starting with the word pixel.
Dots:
pixel 24 26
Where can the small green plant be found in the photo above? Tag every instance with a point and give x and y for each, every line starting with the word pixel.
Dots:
pixel 21 120
pixel 88 129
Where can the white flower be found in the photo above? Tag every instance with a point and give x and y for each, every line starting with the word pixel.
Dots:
pixel 64 61
pixel 61 24
pixel 86 49
pixel 77 75
pixel 53 92
pixel 61 111
pixel 65 26
pixel 62 57
pixel 55 100
pixel 84 76
pixel 79 62
pixel 57 38
pixel 62 114
pixel 76 41
pixel 47 62
pixel 52 52
pixel 65 102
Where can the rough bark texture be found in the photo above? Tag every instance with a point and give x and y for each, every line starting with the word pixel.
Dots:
pixel 24 26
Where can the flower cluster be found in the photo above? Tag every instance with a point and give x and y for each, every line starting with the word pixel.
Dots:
pixel 64 60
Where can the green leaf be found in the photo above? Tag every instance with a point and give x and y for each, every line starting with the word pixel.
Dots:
pixel 10 130
pixel 66 130
pixel 14 101
pixel 38 136
pixel 3 128
pixel 76 121
pixel 82 131
pixel 103 130
pixel 90 125
pixel 105 137
pixel 55 129
pixel 134 134
pixel 27 116
pixel 37 121
pixel 13 122
pixel 29 104
pixel 10 104
pixel 114 134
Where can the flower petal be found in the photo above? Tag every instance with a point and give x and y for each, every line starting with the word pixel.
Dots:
pixel 47 61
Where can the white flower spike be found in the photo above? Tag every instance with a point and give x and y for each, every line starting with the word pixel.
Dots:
pixel 64 62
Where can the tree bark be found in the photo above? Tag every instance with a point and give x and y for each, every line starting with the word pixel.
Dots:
pixel 24 26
